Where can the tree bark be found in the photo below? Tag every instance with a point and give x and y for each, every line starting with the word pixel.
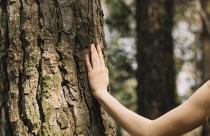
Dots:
pixel 43 78
pixel 156 71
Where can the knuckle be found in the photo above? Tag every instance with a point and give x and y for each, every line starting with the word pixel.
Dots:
pixel 94 58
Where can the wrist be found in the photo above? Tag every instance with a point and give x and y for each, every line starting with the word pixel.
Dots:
pixel 98 94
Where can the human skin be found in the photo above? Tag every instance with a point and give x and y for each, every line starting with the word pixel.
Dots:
pixel 189 115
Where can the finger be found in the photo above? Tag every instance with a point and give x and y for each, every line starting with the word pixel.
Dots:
pixel 94 57
pixel 88 64
pixel 100 55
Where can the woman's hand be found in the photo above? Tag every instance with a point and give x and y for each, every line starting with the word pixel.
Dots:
pixel 97 71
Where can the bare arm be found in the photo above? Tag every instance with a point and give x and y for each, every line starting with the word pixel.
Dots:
pixel 191 114
pixel 182 119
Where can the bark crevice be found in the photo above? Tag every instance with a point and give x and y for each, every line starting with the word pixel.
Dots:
pixel 40 44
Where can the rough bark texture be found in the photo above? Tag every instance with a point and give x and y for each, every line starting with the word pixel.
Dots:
pixel 205 67
pixel 156 74
pixel 43 79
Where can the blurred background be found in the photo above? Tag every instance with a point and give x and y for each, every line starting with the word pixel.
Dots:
pixel 158 52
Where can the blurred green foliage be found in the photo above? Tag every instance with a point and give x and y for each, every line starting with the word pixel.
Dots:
pixel 120 16
pixel 122 74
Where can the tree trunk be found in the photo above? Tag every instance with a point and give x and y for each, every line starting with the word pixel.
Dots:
pixel 205 39
pixel 156 71
pixel 43 79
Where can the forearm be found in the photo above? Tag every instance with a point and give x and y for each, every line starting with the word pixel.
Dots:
pixel 191 114
pixel 180 120
pixel 133 123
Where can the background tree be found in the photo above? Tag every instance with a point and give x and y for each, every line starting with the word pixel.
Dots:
pixel 156 68
pixel 43 81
